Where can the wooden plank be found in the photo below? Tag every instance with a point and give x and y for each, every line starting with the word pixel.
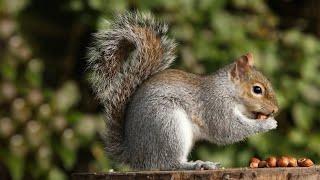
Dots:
pixel 290 173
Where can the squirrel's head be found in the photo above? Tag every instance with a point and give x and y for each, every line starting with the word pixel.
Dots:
pixel 258 100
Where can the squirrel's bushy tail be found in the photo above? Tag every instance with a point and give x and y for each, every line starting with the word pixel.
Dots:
pixel 122 57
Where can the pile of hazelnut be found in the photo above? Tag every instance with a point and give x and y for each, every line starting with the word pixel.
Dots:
pixel 281 162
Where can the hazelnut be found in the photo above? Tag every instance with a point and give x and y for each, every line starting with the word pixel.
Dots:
pixel 283 162
pixel 292 162
pixel 262 164
pixel 262 116
pixel 271 162
pixel 254 165
pixel 304 162
pixel 254 162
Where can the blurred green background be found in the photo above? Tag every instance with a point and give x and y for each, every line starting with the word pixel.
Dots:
pixel 49 119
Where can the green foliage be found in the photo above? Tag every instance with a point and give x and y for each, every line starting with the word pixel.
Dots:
pixel 49 119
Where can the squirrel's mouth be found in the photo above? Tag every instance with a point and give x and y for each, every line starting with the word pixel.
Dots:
pixel 257 115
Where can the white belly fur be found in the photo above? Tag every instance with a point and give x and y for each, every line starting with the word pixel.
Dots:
pixel 185 132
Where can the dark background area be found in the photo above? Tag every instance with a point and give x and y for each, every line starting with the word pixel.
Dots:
pixel 49 118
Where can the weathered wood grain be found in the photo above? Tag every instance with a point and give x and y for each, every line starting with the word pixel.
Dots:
pixel 292 173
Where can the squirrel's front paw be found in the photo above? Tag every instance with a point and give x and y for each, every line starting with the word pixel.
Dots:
pixel 269 124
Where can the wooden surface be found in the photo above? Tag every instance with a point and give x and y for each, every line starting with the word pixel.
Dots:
pixel 305 173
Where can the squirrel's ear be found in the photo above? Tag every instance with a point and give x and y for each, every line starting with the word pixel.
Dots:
pixel 242 66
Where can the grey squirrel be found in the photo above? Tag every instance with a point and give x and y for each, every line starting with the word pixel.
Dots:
pixel 154 115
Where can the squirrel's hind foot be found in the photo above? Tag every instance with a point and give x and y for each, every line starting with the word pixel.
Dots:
pixel 199 165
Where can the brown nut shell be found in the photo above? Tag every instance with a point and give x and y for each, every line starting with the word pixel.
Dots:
pixel 254 165
pixel 255 160
pixel 271 162
pixel 262 164
pixel 292 162
pixel 283 162
pixel 304 162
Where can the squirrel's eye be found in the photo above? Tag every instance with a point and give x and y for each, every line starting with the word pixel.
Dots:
pixel 257 89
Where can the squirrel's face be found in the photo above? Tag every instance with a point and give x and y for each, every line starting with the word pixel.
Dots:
pixel 256 94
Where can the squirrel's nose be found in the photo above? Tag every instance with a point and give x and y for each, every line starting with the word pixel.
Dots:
pixel 275 110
